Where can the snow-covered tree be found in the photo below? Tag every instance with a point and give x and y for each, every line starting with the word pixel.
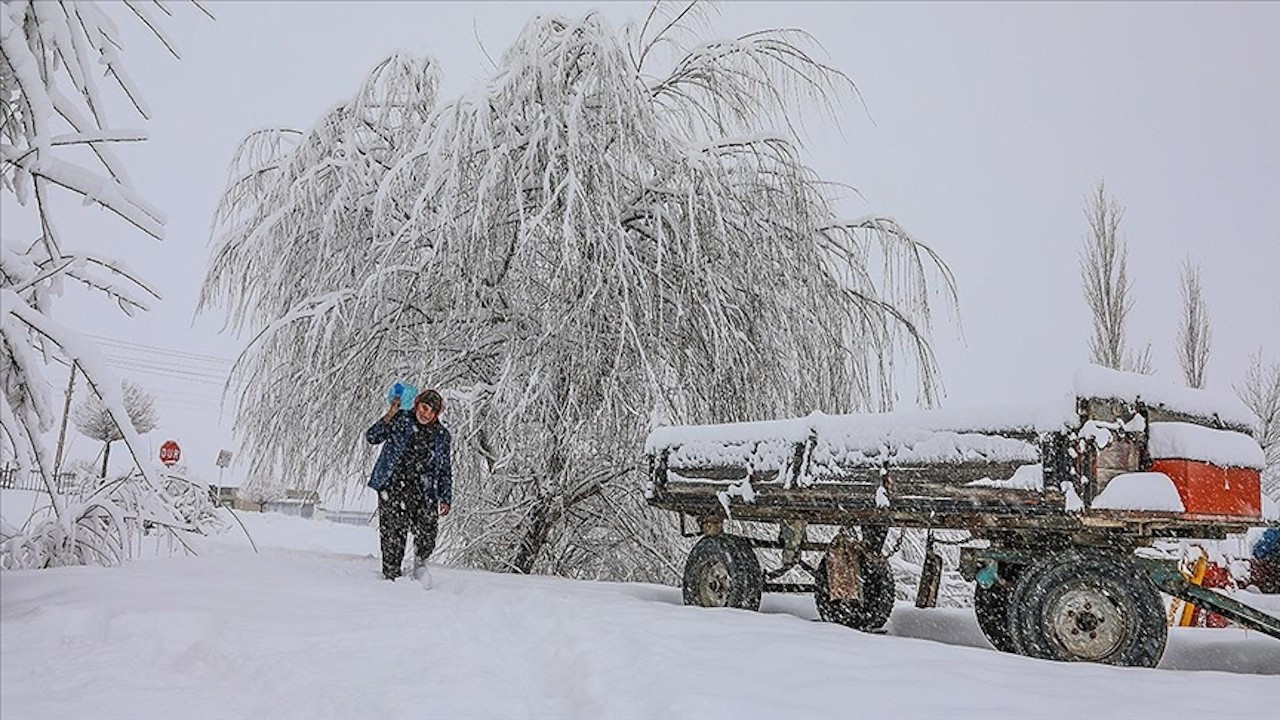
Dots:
pixel 93 419
pixel 1195 336
pixel 1107 286
pixel 587 244
pixel 1260 390
pixel 56 137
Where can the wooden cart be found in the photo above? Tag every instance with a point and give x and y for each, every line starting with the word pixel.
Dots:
pixel 1062 502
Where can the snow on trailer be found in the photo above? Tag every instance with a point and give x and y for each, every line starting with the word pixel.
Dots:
pixel 845 465
pixel 1058 495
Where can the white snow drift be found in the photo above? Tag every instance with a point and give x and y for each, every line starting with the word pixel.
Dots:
pixel 308 630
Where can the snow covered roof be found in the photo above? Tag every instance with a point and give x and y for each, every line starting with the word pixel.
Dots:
pixel 1094 381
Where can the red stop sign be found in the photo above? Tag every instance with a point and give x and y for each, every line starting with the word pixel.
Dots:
pixel 170 452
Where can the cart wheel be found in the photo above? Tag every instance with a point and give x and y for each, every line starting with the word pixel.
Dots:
pixel 1018 601
pixel 723 571
pixel 1089 607
pixel 869 613
pixel 991 605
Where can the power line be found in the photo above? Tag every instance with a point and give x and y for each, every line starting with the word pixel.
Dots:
pixel 153 349
pixel 188 381
pixel 174 370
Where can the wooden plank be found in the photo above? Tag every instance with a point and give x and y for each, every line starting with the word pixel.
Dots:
pixel 953 475
pixel 960 513
pixel 844 504
pixel 1120 456
pixel 726 475
pixel 943 474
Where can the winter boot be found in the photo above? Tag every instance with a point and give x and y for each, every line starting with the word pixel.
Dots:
pixel 420 572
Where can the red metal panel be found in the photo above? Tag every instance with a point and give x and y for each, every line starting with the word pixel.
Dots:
pixel 1211 490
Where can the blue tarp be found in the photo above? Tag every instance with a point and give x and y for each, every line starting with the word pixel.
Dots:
pixel 1268 546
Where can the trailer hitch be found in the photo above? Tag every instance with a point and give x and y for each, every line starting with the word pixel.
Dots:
pixel 1166 576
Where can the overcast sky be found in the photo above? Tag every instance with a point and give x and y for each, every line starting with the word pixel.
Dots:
pixel 985 127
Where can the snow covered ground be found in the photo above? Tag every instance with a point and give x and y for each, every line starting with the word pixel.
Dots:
pixel 307 629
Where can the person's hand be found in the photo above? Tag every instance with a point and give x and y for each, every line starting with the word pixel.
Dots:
pixel 444 509
pixel 391 411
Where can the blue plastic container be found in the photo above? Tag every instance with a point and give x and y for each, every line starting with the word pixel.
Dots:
pixel 406 391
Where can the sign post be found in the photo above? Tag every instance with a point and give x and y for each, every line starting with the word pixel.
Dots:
pixel 224 459
pixel 170 453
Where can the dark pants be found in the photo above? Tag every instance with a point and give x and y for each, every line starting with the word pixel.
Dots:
pixel 403 506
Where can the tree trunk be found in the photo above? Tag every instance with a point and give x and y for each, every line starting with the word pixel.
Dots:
pixel 546 513
pixel 545 516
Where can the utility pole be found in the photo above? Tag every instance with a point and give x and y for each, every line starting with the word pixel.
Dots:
pixel 62 433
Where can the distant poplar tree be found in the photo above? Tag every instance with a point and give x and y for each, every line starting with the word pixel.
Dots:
pixel 1107 286
pixel 1195 336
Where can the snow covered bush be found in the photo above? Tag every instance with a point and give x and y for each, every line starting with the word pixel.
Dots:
pixel 110 521
pixel 588 243
pixel 55 139
pixel 191 501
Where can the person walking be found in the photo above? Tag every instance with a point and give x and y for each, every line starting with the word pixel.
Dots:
pixel 413 477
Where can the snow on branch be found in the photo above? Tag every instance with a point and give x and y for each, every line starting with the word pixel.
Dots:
pixel 51 58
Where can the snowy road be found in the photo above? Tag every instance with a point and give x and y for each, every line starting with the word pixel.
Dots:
pixel 308 630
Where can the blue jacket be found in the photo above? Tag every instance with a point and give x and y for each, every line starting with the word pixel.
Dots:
pixel 437 481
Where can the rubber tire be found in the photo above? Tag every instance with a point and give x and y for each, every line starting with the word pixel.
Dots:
pixel 1018 601
pixel 870 613
pixel 991 606
pixel 742 567
pixel 1130 593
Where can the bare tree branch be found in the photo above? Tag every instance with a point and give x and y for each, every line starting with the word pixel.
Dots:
pixel 1260 390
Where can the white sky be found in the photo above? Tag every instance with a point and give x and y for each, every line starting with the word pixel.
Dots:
pixel 991 123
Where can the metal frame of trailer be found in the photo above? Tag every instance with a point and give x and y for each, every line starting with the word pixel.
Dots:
pixel 1049 582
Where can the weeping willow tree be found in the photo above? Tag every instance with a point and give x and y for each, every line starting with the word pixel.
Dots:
pixel 585 245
